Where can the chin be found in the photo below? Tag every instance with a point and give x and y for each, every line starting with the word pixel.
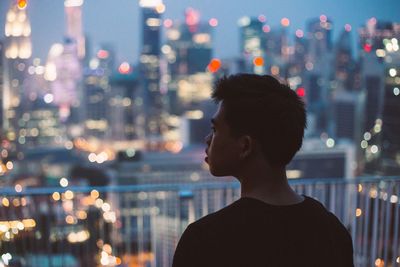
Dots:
pixel 218 172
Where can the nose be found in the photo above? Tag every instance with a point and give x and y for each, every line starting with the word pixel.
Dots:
pixel 207 139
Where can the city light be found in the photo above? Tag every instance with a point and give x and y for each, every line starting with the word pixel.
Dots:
pixel 22 4
pixel 367 48
pixel 214 65
pixel 330 142
pixel 358 212
pixel 347 27
pixel 102 54
pixel 258 61
pixel 168 23
pixel 301 91
pixel 244 21
pixel 64 182
pixel 124 68
pixel 392 72
pixel 18 188
pixel 285 22
pixel 266 28
pixel 262 18
pixel 56 196
pixel 299 33
pixel 213 22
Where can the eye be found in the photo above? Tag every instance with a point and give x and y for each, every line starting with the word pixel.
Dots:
pixel 213 129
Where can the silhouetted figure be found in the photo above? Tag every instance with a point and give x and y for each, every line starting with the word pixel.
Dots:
pixel 256 131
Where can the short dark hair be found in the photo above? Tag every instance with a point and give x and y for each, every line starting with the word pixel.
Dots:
pixel 265 109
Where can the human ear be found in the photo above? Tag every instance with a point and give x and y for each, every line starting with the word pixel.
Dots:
pixel 247 144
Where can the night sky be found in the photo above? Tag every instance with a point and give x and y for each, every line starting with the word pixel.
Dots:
pixel 117 22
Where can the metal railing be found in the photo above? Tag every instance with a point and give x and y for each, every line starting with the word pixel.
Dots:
pixel 141 225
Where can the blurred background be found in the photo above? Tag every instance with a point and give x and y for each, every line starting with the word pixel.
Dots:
pixel 105 106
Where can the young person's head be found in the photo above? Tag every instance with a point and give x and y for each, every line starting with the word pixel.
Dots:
pixel 257 117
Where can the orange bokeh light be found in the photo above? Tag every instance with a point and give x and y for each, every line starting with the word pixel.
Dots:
pixel 258 61
pixel 124 68
pixel 22 4
pixel 285 22
pixel 214 65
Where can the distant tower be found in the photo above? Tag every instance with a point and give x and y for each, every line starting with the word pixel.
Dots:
pixel 188 53
pixel 252 44
pixel 389 149
pixel 154 98
pixel 74 29
pixel 97 91
pixel 381 82
pixel 1 87
pixel 18 50
pixel 318 70
pixel 344 64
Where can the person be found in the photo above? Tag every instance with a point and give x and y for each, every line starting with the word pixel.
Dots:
pixel 256 131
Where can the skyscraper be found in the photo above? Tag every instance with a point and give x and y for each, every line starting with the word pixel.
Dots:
pixel 73 21
pixel 389 148
pixel 252 44
pixel 381 61
pixel 318 74
pixel 18 50
pixel 343 61
pixel 154 98
pixel 188 53
pixel 1 86
pixel 96 94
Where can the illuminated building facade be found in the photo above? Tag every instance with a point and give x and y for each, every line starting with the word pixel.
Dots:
pixel 345 111
pixel 64 74
pixel 1 86
pixel 125 105
pixel 18 50
pixel 343 61
pixel 96 94
pixel 318 66
pixel 154 107
pixel 380 76
pixel 188 53
pixel 39 123
pixel 73 20
pixel 389 149
pixel 252 44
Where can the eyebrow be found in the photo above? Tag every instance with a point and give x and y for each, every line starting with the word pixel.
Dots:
pixel 213 121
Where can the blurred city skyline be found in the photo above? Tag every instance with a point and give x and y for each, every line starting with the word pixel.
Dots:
pixel 124 33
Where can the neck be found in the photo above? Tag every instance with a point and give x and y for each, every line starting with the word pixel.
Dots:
pixel 268 184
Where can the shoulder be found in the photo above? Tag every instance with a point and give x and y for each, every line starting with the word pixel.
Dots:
pixel 336 233
pixel 219 217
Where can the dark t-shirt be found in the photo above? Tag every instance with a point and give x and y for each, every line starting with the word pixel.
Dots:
pixel 252 233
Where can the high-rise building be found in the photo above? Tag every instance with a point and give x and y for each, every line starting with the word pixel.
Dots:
pixel 252 44
pixel 318 71
pixel 154 98
pixel 389 148
pixel 125 104
pixel 64 74
pixel 96 94
pixel 73 21
pixel 188 53
pixel 18 50
pixel 319 35
pixel 345 111
pixel 1 86
pixel 379 76
pixel 343 61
